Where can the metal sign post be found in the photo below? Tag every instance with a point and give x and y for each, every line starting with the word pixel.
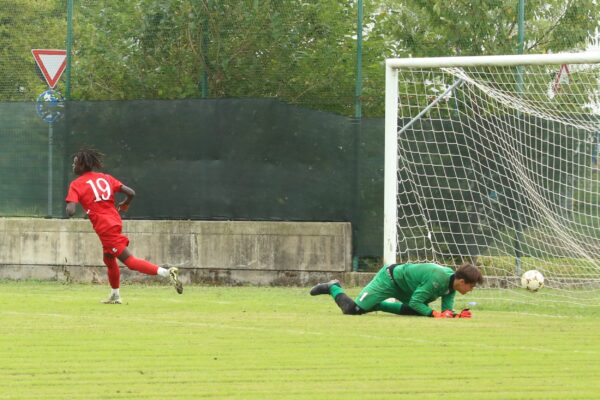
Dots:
pixel 50 107
pixel 50 104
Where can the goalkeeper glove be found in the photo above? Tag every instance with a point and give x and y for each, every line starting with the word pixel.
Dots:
pixel 443 314
pixel 465 313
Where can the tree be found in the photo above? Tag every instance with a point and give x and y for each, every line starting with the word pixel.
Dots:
pixel 24 25
pixel 298 51
pixel 429 28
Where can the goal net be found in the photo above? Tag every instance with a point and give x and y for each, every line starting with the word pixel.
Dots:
pixel 494 160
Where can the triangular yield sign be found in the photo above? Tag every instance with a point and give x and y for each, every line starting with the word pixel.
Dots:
pixel 52 63
pixel 562 77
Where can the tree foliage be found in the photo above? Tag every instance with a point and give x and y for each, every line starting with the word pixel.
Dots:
pixel 27 25
pixel 433 28
pixel 300 51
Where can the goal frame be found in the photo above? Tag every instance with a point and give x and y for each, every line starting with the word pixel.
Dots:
pixel 392 65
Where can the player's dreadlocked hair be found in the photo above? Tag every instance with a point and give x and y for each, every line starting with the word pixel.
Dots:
pixel 88 159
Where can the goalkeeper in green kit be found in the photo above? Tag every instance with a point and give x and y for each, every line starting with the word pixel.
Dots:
pixel 414 285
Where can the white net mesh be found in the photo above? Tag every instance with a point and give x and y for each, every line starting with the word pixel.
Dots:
pixel 502 169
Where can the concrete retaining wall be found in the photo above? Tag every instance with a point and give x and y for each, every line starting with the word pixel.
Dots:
pixel 227 252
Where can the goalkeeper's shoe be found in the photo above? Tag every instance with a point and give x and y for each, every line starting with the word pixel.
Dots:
pixel 174 276
pixel 323 288
pixel 112 299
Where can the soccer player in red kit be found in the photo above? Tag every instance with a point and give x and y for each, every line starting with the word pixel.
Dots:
pixel 95 191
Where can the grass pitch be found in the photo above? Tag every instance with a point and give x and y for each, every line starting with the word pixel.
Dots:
pixel 58 342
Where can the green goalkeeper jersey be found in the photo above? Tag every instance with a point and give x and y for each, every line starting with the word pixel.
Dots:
pixel 420 284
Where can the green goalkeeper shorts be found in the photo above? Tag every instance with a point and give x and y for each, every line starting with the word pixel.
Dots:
pixel 379 289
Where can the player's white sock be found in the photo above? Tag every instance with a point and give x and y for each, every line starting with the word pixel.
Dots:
pixel 115 292
pixel 163 272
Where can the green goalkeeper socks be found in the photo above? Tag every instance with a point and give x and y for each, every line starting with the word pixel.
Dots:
pixel 391 307
pixel 334 290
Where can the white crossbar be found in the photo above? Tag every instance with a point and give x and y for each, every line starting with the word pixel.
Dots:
pixel 506 60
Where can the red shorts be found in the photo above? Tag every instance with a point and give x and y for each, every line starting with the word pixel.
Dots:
pixel 113 241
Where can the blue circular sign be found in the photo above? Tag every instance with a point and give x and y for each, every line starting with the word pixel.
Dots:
pixel 50 106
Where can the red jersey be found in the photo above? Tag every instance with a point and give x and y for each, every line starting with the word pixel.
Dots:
pixel 95 192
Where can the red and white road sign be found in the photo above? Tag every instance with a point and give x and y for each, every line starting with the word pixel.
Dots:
pixel 562 77
pixel 52 63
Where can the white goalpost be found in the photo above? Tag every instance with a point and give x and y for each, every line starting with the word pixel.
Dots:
pixel 493 159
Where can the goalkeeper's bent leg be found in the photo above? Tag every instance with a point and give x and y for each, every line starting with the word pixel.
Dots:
pixel 344 302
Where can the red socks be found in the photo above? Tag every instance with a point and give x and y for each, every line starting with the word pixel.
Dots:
pixel 114 274
pixel 143 266
pixel 136 264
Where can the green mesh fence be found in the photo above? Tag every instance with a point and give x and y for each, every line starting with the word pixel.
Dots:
pixel 202 159
pixel 151 83
pixel 229 159
pixel 24 162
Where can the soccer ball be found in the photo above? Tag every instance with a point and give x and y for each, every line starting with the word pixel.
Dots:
pixel 532 280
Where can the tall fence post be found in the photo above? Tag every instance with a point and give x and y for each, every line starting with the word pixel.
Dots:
pixel 358 82
pixel 357 123
pixel 520 88
pixel 69 48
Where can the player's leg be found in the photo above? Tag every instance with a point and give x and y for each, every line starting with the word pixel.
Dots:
pixel 396 307
pixel 381 288
pixel 137 264
pixel 346 304
pixel 114 279
pixel 367 301
pixel 371 298
pixel 115 243
pixel 148 268
pixel 334 288
pixel 113 271
pixel 376 292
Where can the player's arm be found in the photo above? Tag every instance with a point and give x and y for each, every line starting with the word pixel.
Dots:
pixel 448 307
pixel 130 194
pixel 419 300
pixel 72 199
pixel 448 301
pixel 71 207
